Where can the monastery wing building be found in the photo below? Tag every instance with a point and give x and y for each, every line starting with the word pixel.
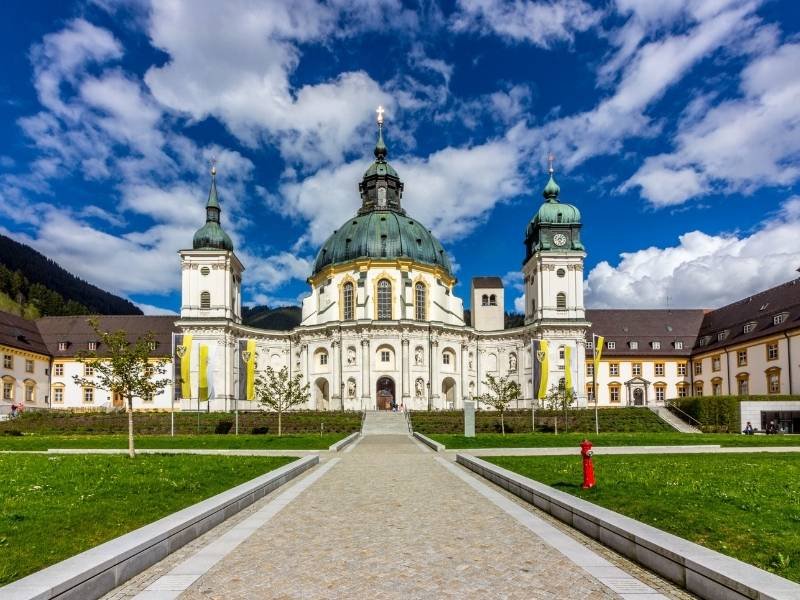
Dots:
pixel 382 325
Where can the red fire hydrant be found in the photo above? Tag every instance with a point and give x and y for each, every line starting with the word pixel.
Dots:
pixel 588 467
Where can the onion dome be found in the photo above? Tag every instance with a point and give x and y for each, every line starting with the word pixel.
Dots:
pixel 555 226
pixel 553 211
pixel 211 236
pixel 381 229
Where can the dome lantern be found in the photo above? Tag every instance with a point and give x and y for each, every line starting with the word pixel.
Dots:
pixel 211 236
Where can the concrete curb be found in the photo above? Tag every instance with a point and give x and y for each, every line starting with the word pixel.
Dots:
pixel 701 571
pixel 98 570
pixel 433 445
pixel 340 445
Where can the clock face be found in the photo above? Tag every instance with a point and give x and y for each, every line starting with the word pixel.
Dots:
pixel 559 239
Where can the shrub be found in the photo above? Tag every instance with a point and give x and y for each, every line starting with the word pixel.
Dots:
pixel 223 427
pixel 720 414
pixel 260 430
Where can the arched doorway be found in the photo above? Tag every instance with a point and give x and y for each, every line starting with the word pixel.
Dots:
pixel 384 393
pixel 321 393
pixel 449 392
pixel 638 396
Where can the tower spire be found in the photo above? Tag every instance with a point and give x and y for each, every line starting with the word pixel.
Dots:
pixel 381 151
pixel 211 236
pixel 551 190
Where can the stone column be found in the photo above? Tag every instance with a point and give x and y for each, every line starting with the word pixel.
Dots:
pixel 435 383
pixel 304 370
pixel 336 391
pixel 365 385
pixel 469 418
pixel 464 371
pixel 406 370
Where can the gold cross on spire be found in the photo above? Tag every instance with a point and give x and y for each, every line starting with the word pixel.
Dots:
pixel 380 112
pixel 550 160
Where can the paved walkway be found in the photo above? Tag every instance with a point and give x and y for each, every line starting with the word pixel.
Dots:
pixel 700 449
pixel 390 519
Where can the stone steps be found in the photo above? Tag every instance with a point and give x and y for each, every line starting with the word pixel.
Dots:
pixel 676 422
pixel 377 422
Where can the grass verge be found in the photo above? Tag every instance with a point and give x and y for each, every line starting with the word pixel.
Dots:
pixel 161 442
pixel 746 506
pixel 52 507
pixel 548 440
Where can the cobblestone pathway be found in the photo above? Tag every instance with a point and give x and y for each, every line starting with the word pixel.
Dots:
pixel 389 521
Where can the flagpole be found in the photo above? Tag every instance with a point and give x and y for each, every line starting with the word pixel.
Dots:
pixel 172 401
pixel 594 382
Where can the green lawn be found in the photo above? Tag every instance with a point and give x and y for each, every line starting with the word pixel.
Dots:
pixel 746 505
pixel 545 440
pixel 52 507
pixel 230 441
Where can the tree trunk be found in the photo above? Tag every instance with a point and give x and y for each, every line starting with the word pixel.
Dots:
pixel 131 451
pixel 502 424
pixel 280 413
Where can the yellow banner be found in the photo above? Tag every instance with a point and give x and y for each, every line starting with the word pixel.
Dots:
pixel 568 368
pixel 598 352
pixel 544 360
pixel 251 370
pixel 202 375
pixel 186 361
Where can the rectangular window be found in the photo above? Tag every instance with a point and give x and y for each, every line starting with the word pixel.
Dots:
pixel 741 358
pixel 698 368
pixel 681 391
pixel 62 346
pixel 8 390
pixel 634 345
pixel 58 369
pixel 58 395
pixel 323 358
pixel 678 345
pixel 92 346
pixel 88 395
pixel 613 393
pixel 589 345
pixel 716 388
pixel 715 363
pixel 613 369
pixel 28 365
pixel 774 383
pixel 743 386
pixel 637 369
pixel 682 369
pixel 446 358
pixel 656 345
pixel 590 394
pixel 772 351
pixel 698 388
pixel 661 393
pixel 749 327
pixel 386 357
pixel 611 345
pixel 778 319
pixel 8 361
pixel 29 393
pixel 589 369
pixel 659 369
pixel 88 370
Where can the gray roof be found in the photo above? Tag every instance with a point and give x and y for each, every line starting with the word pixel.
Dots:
pixel 646 326
pixel 75 330
pixel 21 334
pixel 487 283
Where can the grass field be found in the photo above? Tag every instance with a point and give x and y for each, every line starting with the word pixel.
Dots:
pixel 545 440
pixel 54 507
pixel 243 441
pixel 746 506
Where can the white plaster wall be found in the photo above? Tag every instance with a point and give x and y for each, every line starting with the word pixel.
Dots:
pixel 223 283
pixel 40 376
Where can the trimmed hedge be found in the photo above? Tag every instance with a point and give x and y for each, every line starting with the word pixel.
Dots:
pixel 720 414
pixel 519 421
pixel 157 422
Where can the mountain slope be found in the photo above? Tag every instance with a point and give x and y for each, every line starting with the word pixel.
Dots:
pixel 282 318
pixel 32 280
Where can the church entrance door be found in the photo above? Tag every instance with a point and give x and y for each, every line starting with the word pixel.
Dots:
pixel 638 397
pixel 385 393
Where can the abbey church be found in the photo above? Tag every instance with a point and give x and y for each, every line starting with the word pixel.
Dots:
pixel 382 326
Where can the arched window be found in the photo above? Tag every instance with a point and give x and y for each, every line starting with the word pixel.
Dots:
pixel 492 300
pixel 419 299
pixel 205 299
pixel 384 299
pixel 347 301
pixel 561 301
pixel 484 300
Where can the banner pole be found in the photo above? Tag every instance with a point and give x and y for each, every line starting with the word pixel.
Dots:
pixel 594 384
pixel 172 401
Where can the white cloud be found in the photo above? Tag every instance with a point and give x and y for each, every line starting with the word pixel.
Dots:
pixel 513 281
pixel 697 272
pixel 738 145
pixel 540 23
pixel 150 309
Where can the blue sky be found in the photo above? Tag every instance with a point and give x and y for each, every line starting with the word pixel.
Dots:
pixel 675 125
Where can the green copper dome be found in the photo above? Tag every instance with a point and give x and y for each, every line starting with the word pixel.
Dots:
pixel 555 226
pixel 211 236
pixel 553 211
pixel 381 229
pixel 382 234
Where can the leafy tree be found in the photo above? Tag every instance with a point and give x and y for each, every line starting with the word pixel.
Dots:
pixel 502 392
pixel 559 398
pixel 278 391
pixel 124 368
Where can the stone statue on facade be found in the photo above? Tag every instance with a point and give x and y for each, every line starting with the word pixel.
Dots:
pixel 418 356
pixel 351 356
pixel 351 388
pixel 419 388
pixel 512 363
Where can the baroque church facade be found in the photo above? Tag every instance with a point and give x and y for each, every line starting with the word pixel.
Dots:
pixel 382 323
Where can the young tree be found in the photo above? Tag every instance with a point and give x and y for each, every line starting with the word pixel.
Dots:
pixel 502 392
pixel 559 398
pixel 125 368
pixel 280 392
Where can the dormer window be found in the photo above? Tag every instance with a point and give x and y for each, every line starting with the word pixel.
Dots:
pixel 92 346
pixel 656 345
pixel 781 318
pixel 678 345
pixel 634 345
pixel 611 345
pixel 722 335
pixel 62 346
pixel 749 327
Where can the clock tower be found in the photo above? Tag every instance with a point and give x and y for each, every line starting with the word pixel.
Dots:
pixel 553 275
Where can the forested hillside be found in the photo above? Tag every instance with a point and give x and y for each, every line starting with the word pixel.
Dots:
pixel 32 285
pixel 282 318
